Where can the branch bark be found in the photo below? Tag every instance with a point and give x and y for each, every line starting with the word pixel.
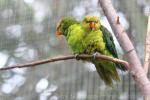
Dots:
pixel 67 57
pixel 147 46
pixel 135 65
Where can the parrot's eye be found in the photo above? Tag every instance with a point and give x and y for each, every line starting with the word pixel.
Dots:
pixel 87 21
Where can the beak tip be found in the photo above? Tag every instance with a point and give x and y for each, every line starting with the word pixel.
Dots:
pixel 92 25
pixel 57 33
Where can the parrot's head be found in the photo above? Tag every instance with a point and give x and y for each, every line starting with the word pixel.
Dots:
pixel 91 23
pixel 63 25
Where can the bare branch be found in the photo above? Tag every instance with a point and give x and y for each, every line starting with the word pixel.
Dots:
pixel 136 67
pixel 67 57
pixel 147 46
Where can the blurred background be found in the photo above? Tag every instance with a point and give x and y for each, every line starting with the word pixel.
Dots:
pixel 27 34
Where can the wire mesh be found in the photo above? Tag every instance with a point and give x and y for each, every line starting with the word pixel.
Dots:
pixel 27 34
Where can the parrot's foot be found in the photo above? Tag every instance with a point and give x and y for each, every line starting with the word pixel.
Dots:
pixel 95 54
pixel 77 56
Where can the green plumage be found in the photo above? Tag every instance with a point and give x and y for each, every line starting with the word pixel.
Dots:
pixel 75 38
pixel 95 43
pixel 88 37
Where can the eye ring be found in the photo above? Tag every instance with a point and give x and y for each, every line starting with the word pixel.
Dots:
pixel 87 21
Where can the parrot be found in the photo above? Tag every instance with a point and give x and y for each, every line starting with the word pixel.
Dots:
pixel 89 36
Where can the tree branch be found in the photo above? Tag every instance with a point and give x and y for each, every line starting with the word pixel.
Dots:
pixel 67 57
pixel 136 66
pixel 147 46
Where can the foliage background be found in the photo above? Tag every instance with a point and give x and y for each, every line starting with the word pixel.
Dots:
pixel 27 34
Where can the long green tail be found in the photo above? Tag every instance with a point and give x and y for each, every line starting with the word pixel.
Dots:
pixel 107 71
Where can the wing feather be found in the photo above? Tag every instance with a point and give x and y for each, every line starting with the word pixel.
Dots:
pixel 109 43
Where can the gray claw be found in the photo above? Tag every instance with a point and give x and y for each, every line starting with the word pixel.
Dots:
pixel 76 56
pixel 95 54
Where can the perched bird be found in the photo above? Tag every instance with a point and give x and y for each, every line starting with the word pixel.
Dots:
pixel 90 37
pixel 73 32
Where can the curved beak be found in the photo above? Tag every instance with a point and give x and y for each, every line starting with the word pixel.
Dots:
pixel 92 25
pixel 58 33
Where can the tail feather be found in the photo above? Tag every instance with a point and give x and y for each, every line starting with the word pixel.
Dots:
pixel 107 71
pixel 106 78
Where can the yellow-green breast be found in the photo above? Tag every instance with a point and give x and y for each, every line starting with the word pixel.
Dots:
pixel 94 42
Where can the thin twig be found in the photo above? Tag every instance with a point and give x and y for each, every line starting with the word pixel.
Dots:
pixel 67 57
pixel 147 46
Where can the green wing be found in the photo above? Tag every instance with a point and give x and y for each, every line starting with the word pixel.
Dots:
pixel 109 42
pixel 108 39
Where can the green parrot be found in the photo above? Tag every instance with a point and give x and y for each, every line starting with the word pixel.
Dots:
pixel 90 37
